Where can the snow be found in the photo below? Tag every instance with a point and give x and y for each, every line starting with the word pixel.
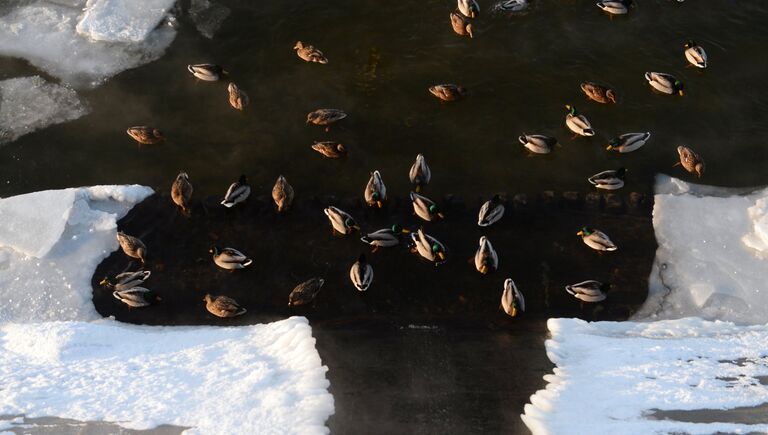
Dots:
pixel 47 259
pixel 233 380
pixel 610 375
pixel 30 103
pixel 122 21
pixel 45 34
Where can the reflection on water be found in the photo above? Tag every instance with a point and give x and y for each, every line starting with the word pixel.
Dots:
pixel 19 424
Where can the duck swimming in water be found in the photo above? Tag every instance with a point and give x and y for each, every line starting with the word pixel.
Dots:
pixel 223 306
pixel 237 192
pixel 145 135
pixel 375 191
pixel 361 274
pixel 127 280
pixel 461 25
pixel 448 92
pixel 136 297
pixel 597 92
pixel 132 246
pixel 384 238
pixel 341 221
pixel 237 97
pixel 330 149
pixel 691 161
pixel 208 72
pixel 181 192
pixel 615 7
pixel 588 291
pixel 428 247
pixel 309 53
pixel 695 55
pixel 486 258
pixel 512 300
pixel 665 83
pixel 425 208
pixel 609 180
pixel 596 239
pixel 326 117
pixel 628 142
pixel 538 143
pixel 282 194
pixel 469 8
pixel 230 258
pixel 420 174
pixel 490 212
pixel 579 124
pixel 305 292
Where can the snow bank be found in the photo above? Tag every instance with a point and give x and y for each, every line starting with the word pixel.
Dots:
pixel 44 33
pixel 610 375
pixel 50 244
pixel 30 103
pixel 711 261
pixel 122 21
pixel 243 380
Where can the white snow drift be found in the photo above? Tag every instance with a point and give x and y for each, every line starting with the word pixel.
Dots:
pixel 122 21
pixel 243 380
pixel 30 103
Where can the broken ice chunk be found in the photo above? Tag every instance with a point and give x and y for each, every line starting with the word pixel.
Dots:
pixel 122 21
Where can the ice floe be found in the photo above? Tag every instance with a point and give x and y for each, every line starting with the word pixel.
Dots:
pixel 241 380
pixel 50 245
pixel 122 21
pixel 612 377
pixel 30 103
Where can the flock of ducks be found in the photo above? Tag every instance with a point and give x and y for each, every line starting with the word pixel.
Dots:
pixel 127 287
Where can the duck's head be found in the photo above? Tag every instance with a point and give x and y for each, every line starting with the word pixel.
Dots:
pixel 435 211
pixel 604 287
pixel 611 95
pixel 621 172
pixel 613 143
pixel 689 43
pixel 571 109
pixel 105 282
pixel 496 199
pixel 585 231
pixel 207 298
pixel 214 250
pixel 469 30
pixel 243 179
pixel 397 229
pixel 678 86
pixel 699 168
pixel 350 223
pixel 438 250
pixel 299 45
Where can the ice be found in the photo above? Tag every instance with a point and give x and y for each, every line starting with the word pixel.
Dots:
pixel 711 260
pixel 208 16
pixel 122 21
pixel 228 380
pixel 44 33
pixel 611 375
pixel 30 103
pixel 50 245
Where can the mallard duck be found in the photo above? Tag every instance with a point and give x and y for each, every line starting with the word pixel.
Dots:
pixel 665 83
pixel 596 239
pixel 628 142
pixel 384 238
pixel 237 192
pixel 490 212
pixel 341 221
pixel 309 53
pixel 282 194
pixel 127 280
pixel 615 7
pixel 420 174
pixel 486 259
pixel 609 180
pixel 207 71
pixel 577 123
pixel 223 306
pixel 325 117
pixel 361 274
pixel 136 297
pixel 691 161
pixel 428 247
pixel 305 292
pixel 181 192
pixel 375 191
pixel 588 291
pixel 695 55
pixel 425 208
pixel 448 92
pixel 599 93
pixel 237 97
pixel 330 149
pixel 538 143
pixel 230 258
pixel 145 135
pixel 512 300
pixel 469 8
pixel 461 25
pixel 132 246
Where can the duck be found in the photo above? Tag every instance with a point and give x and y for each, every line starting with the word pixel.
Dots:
pixel 420 174
pixel 469 8
pixel 305 292
pixel 665 83
pixel 330 149
pixel 609 180
pixel 461 25
pixel 490 212
pixel 310 53
pixel 208 72
pixel 448 91
pixel 511 6
pixel 341 221
pixel 223 306
pixel 596 239
pixel 145 135
pixel 127 280
pixel 132 246
pixel 136 297
pixel 361 274
pixel 588 291
pixel 428 247
pixel 538 143
pixel 695 55
pixel 237 97
pixel 486 259
pixel 375 191
pixel 512 300
pixel 597 92
pixel 425 208
pixel 579 124
pixel 237 192
pixel 628 142
pixel 282 194
pixel 230 258
pixel 691 161
pixel 384 238
pixel 325 117
pixel 615 7
pixel 181 192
